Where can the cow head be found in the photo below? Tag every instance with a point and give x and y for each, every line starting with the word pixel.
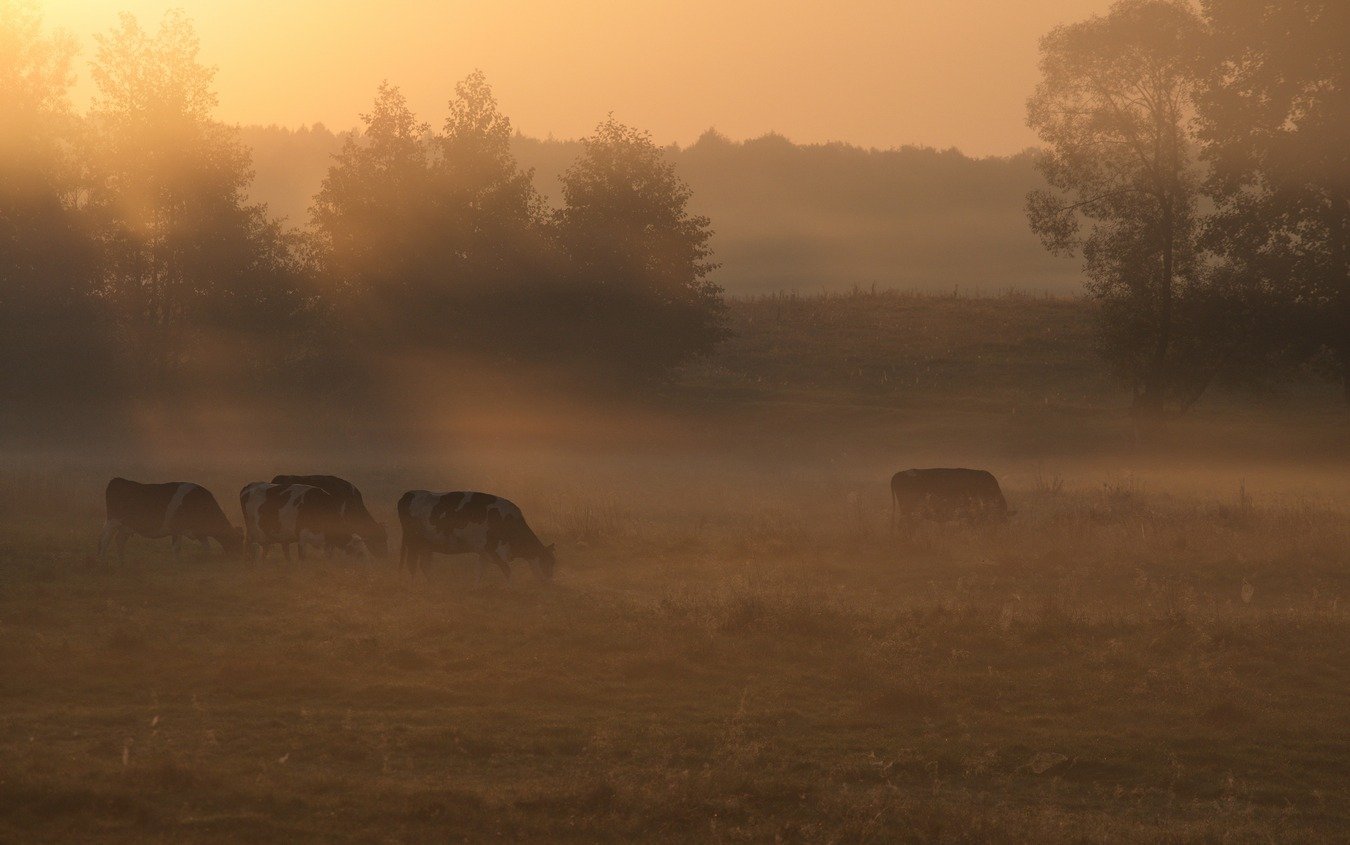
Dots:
pixel 356 547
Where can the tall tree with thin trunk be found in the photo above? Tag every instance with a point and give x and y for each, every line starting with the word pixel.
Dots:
pixel 182 250
pixel 376 227
pixel 642 290
pixel 50 331
pixel 1113 107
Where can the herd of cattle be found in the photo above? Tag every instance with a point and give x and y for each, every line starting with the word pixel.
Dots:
pixel 328 512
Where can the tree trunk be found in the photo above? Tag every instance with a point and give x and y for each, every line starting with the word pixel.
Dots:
pixel 1152 400
pixel 1339 228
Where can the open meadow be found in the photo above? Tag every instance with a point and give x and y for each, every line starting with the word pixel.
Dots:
pixel 735 647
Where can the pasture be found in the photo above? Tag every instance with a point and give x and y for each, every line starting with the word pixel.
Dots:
pixel 734 648
pixel 1152 654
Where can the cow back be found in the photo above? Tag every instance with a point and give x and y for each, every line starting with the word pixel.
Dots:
pixel 351 506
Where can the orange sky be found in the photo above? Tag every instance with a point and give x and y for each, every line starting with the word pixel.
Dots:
pixel 873 72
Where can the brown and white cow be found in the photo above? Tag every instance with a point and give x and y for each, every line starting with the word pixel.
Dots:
pixel 294 513
pixel 175 509
pixel 467 522
pixel 350 504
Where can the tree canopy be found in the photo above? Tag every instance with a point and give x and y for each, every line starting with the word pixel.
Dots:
pixel 183 254
pixel 641 261
pixel 1275 123
pixel 1113 103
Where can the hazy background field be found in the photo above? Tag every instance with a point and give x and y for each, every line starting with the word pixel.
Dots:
pixel 735 646
pixel 520 263
pixel 803 217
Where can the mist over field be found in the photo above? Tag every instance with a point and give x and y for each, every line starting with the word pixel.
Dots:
pixel 645 482
pixel 789 217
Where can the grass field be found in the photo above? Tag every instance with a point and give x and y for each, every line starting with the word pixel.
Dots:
pixel 736 648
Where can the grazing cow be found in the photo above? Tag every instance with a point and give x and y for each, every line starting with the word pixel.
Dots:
pixel 350 505
pixel 294 513
pixel 943 494
pixel 177 509
pixel 458 523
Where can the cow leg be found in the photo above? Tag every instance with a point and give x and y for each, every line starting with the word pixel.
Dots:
pixel 286 551
pixel 122 536
pixel 414 556
pixel 175 544
pixel 299 551
pixel 110 531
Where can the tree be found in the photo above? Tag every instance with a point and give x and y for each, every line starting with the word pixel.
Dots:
pixel 430 236
pixel 1275 121
pixel 182 249
pixel 1113 105
pixel 50 331
pixel 372 216
pixel 641 297
pixel 478 181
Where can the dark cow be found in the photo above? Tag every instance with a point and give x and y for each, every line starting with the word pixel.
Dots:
pixel 176 509
pixel 294 513
pixel 350 505
pixel 943 494
pixel 459 523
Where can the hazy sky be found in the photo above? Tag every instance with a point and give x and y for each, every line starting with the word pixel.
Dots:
pixel 873 72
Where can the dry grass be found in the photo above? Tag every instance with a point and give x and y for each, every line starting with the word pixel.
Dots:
pixel 1120 663
pixel 736 647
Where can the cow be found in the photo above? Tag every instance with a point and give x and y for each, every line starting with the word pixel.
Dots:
pixel 175 509
pixel 943 494
pixel 350 505
pixel 464 522
pixel 294 513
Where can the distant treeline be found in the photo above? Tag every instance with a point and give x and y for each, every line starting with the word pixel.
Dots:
pixel 133 259
pixel 785 216
pixel 1196 160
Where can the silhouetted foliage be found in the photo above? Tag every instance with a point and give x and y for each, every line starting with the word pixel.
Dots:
pixel 805 217
pixel 431 236
pixel 438 240
pixel 51 335
pixel 1275 119
pixel 1113 105
pixel 639 260
pixel 131 254
pixel 374 223
pixel 183 256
